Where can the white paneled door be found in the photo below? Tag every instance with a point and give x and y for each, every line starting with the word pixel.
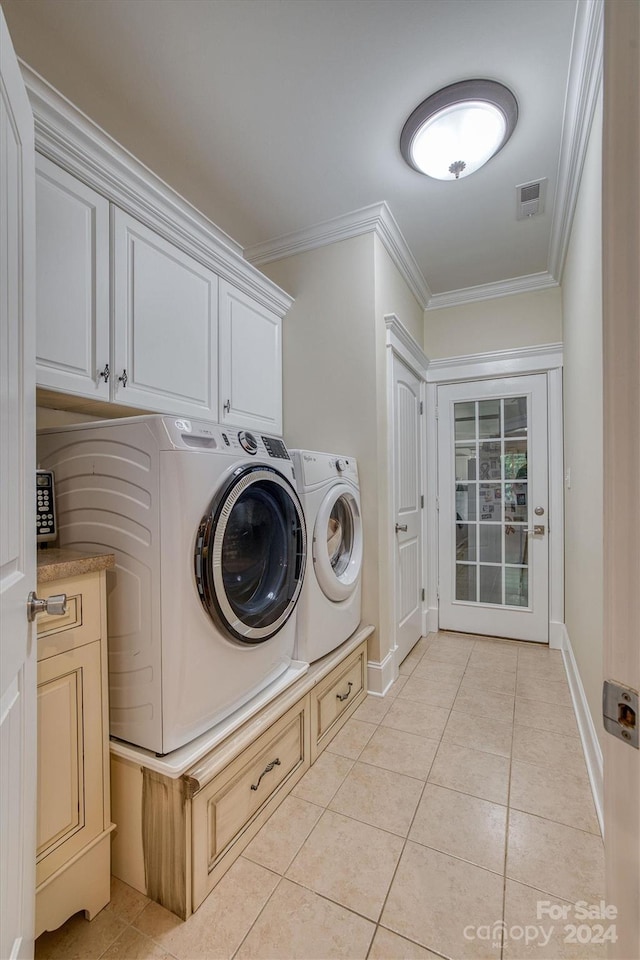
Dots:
pixel 493 508
pixel 17 504
pixel 407 495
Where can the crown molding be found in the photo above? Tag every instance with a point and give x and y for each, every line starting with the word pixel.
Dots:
pixel 376 218
pixel 72 140
pixel 584 83
pixel 520 360
pixel 400 340
pixel 490 291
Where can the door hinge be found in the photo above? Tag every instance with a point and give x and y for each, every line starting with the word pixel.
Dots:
pixel 620 711
pixel 422 501
pixel 438 592
pixel 437 503
pixel 423 593
pixel 421 407
pixel 437 412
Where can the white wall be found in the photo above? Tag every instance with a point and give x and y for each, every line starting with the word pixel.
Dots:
pixel 520 320
pixel 329 374
pixel 334 362
pixel 582 308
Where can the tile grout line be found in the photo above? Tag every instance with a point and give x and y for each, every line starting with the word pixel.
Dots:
pixel 406 839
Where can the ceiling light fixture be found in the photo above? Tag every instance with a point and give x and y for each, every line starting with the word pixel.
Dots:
pixel 457 130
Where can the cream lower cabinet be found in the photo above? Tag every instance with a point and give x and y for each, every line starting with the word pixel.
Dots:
pixel 176 837
pixel 74 825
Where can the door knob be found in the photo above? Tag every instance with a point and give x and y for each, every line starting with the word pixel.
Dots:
pixel 401 526
pixel 55 606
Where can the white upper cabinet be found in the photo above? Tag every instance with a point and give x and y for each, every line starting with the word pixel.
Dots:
pixel 72 270
pixel 250 364
pixel 165 312
pixel 143 302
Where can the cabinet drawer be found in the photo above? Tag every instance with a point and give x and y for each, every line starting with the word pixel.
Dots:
pixel 79 625
pixel 336 695
pixel 224 809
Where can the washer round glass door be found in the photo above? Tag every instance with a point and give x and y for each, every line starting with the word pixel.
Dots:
pixel 337 543
pixel 250 554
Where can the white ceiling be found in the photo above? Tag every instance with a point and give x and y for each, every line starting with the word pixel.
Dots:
pixel 274 115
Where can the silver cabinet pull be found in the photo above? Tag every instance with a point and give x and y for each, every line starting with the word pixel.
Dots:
pixel 401 526
pixel 269 767
pixel 55 606
pixel 343 696
pixel 123 379
pixel 105 373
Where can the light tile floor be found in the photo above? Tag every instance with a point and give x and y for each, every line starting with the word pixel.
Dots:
pixel 439 816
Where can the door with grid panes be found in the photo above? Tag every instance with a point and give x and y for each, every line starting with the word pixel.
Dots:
pixel 493 508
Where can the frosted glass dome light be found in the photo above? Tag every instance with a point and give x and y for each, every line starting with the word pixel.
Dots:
pixel 457 130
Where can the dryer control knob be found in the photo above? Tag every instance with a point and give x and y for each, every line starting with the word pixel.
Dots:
pixel 341 465
pixel 248 442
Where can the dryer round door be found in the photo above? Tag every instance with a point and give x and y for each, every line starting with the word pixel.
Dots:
pixel 250 554
pixel 337 543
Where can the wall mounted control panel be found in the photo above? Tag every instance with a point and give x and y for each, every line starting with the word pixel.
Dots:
pixel 46 529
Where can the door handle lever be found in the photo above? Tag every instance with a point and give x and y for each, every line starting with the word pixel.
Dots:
pixel 401 526
pixel 538 530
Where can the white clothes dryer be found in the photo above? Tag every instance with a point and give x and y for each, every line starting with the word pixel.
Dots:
pixel 210 545
pixel 331 603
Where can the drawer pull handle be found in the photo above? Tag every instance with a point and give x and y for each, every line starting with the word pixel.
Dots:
pixel 343 696
pixel 269 767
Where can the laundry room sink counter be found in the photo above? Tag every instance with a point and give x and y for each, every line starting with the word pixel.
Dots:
pixel 57 563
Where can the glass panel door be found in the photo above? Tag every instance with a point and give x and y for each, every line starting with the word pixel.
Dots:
pixel 490 452
pixel 493 485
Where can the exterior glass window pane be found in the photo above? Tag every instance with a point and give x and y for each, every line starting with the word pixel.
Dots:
pixel 466 501
pixel 465 420
pixel 515 417
pixel 466 581
pixel 490 543
pixel 466 541
pixel 489 418
pixel 491 501
pixel 490 584
pixel 515 506
pixel 490 461
pixel 516 586
pixel 466 462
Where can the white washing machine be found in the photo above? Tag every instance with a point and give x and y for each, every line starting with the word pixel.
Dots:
pixel 331 602
pixel 210 545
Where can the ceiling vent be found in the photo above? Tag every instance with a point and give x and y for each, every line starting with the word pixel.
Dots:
pixel 530 198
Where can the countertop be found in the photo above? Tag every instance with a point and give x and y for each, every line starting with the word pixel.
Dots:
pixel 56 563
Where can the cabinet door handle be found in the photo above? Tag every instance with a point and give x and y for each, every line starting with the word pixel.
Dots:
pixel 123 379
pixel 343 696
pixel 269 767
pixel 226 406
pixel 105 374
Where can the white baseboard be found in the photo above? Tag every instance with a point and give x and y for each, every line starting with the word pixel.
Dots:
pixel 432 621
pixel 380 675
pixel 557 635
pixel 588 734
